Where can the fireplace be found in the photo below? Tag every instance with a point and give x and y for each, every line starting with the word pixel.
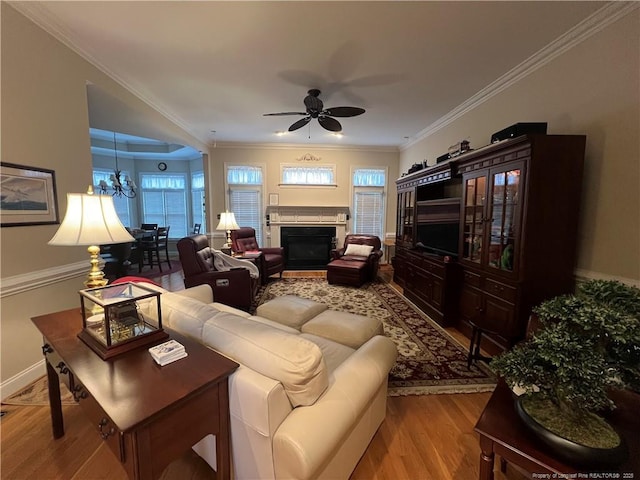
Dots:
pixel 307 248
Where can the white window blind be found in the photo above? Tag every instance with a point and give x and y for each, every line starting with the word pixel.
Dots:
pixel 197 199
pixel 318 175
pixel 246 206
pixel 245 196
pixel 122 204
pixel 368 201
pixel 164 202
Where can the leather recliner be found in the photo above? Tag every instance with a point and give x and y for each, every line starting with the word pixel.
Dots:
pixel 244 240
pixel 372 260
pixel 233 287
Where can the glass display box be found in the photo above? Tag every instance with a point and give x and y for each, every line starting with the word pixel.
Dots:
pixel 119 318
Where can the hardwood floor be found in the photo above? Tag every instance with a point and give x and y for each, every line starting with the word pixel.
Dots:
pixel 422 438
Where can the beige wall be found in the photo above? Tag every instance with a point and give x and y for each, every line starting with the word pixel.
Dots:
pixel 592 89
pixel 45 123
pixel 271 158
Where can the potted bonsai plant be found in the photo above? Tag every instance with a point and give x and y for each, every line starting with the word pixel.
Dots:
pixel 587 344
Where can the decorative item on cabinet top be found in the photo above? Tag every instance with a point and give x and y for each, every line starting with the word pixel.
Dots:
pixel 431 174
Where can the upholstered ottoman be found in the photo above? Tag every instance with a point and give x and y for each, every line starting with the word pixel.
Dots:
pixel 346 273
pixel 345 328
pixel 290 310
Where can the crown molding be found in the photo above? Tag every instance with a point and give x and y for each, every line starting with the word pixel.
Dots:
pixel 294 146
pixel 596 22
pixel 51 24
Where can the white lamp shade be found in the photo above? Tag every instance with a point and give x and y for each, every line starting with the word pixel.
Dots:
pixel 227 222
pixel 90 220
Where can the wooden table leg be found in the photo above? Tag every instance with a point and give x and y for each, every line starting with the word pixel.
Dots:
pixel 486 458
pixel 223 437
pixel 55 403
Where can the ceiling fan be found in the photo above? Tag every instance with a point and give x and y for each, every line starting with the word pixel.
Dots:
pixel 315 109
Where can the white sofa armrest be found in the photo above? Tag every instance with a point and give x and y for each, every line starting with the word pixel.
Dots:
pixel 305 440
pixel 257 405
pixel 203 293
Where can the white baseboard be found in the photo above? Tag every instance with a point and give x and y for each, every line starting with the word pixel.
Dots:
pixel 22 379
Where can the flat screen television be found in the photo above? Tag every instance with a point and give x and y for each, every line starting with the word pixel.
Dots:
pixel 439 238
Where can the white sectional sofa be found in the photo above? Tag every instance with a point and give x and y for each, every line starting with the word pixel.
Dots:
pixel 311 388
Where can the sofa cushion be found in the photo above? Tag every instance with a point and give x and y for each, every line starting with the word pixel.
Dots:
pixel 344 327
pixel 290 310
pixel 290 359
pixel 275 353
pixel 333 353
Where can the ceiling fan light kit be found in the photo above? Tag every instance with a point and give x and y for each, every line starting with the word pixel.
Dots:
pixel 315 109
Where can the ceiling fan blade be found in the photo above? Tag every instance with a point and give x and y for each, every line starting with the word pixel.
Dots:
pixel 299 124
pixel 344 111
pixel 329 123
pixel 283 113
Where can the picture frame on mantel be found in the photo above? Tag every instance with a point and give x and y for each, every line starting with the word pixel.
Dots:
pixel 274 199
pixel 28 197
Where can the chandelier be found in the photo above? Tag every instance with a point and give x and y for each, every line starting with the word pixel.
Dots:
pixel 121 187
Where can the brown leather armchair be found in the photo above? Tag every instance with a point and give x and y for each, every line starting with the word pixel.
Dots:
pixel 372 260
pixel 244 240
pixel 233 287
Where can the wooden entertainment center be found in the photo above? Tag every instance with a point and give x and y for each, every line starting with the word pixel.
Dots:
pixel 484 237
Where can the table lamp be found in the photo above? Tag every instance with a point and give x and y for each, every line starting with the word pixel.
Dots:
pixel 228 223
pixel 91 220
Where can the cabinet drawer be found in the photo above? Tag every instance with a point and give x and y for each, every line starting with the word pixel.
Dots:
pixel 501 290
pixel 64 374
pixel 432 268
pixel 105 428
pixel 471 278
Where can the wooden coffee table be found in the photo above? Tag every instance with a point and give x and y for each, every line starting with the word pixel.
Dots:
pixel 148 415
pixel 503 433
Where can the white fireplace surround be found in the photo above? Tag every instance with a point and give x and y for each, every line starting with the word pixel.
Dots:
pixel 281 216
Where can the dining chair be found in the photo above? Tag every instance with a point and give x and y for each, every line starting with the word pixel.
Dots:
pixel 151 248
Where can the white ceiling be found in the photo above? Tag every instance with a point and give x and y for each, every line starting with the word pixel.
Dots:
pixel 219 66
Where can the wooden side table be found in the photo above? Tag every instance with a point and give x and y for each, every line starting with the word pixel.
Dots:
pixel 503 433
pixel 257 258
pixel 148 415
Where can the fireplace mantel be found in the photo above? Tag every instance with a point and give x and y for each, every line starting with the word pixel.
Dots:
pixel 285 216
pixel 307 215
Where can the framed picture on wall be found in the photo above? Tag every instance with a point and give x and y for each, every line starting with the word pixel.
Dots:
pixel 27 196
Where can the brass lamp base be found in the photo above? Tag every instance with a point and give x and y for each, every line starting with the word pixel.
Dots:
pixel 95 277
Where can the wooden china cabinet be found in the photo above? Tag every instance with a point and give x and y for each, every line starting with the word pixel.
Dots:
pixel 429 204
pixel 518 219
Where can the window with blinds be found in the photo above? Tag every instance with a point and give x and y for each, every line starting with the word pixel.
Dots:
pixel 164 201
pixel 368 201
pixel 197 200
pixel 245 196
pixel 122 204
pixel 316 175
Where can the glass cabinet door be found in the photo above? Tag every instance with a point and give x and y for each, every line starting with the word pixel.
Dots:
pixel 404 226
pixel 475 191
pixel 505 187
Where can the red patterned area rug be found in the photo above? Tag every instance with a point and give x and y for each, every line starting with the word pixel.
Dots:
pixel 429 359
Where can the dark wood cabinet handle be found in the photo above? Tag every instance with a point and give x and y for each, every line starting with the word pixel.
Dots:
pixel 63 368
pixel 79 393
pixel 105 434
